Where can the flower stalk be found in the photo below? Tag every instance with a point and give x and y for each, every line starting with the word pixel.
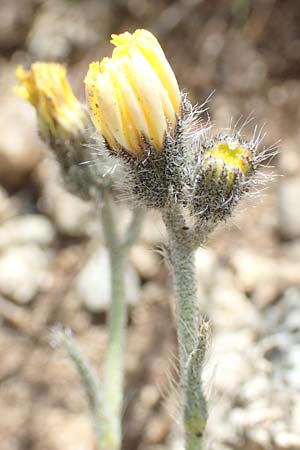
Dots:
pixel 89 378
pixel 106 396
pixel 113 375
pixel 63 125
pixel 118 245
pixel 191 331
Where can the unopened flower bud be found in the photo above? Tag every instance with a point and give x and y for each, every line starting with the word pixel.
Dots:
pixel 61 116
pixel 135 104
pixel 224 167
pixel 62 121
pixel 133 96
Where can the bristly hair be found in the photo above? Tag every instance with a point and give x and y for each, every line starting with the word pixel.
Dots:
pixel 222 177
pixel 205 173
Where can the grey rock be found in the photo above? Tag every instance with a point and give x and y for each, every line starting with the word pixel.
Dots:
pixel 93 283
pixel 8 207
pixel 33 228
pixel 20 147
pixel 289 208
pixel 71 215
pixel 23 272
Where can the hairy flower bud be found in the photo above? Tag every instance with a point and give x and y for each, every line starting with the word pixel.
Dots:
pixel 133 96
pixel 62 122
pixel 61 116
pixel 223 170
pixel 135 104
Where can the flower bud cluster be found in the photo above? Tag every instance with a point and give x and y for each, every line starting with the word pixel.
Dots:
pixel 150 127
pixel 63 124
pixel 147 125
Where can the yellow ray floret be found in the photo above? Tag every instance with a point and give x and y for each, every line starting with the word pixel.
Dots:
pixel 234 156
pixel 46 87
pixel 134 93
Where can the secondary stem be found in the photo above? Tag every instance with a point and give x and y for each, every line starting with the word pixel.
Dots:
pixel 113 376
pixel 89 377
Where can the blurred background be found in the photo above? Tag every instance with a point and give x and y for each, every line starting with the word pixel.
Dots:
pixel 53 264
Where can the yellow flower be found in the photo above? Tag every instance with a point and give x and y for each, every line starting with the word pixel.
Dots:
pixel 46 87
pixel 232 154
pixel 134 93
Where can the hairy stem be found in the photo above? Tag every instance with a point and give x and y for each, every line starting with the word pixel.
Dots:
pixel 105 399
pixel 190 337
pixel 113 375
pixel 89 377
pixel 134 227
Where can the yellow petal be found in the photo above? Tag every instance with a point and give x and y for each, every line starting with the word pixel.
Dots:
pixel 136 92
pixel 146 87
pixel 150 48
pixel 46 87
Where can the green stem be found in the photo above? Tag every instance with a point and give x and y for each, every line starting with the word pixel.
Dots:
pixel 89 377
pixel 114 360
pixel 105 399
pixel 134 227
pixel 191 348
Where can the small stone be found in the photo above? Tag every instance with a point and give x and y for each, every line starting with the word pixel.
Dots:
pixel 154 293
pixel 289 208
pixel 289 441
pixel 77 430
pixel 252 269
pixel 145 260
pixel 153 231
pixel 71 215
pixel 256 387
pixel 264 277
pixel 23 272
pixel 232 309
pixel 149 396
pixel 20 147
pixel 206 264
pixel 93 283
pixel 157 429
pixel 15 18
pixel 34 228
pixel 8 207
pixel 259 436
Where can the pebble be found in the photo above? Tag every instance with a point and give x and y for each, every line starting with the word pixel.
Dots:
pixel 23 272
pixel 15 17
pixel 288 441
pixel 153 231
pixel 31 228
pixel 71 215
pixel 78 430
pixel 289 208
pixel 93 283
pixel 8 207
pixel 146 261
pixel 230 308
pixel 264 277
pixel 20 147
pixel 206 265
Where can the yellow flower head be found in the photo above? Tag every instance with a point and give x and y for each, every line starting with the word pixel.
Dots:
pixel 46 87
pixel 134 93
pixel 233 155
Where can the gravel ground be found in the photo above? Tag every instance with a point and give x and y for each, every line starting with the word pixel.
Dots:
pixel 51 243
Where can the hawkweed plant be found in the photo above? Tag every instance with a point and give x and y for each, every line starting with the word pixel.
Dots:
pixel 64 125
pixel 170 163
pixel 166 159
